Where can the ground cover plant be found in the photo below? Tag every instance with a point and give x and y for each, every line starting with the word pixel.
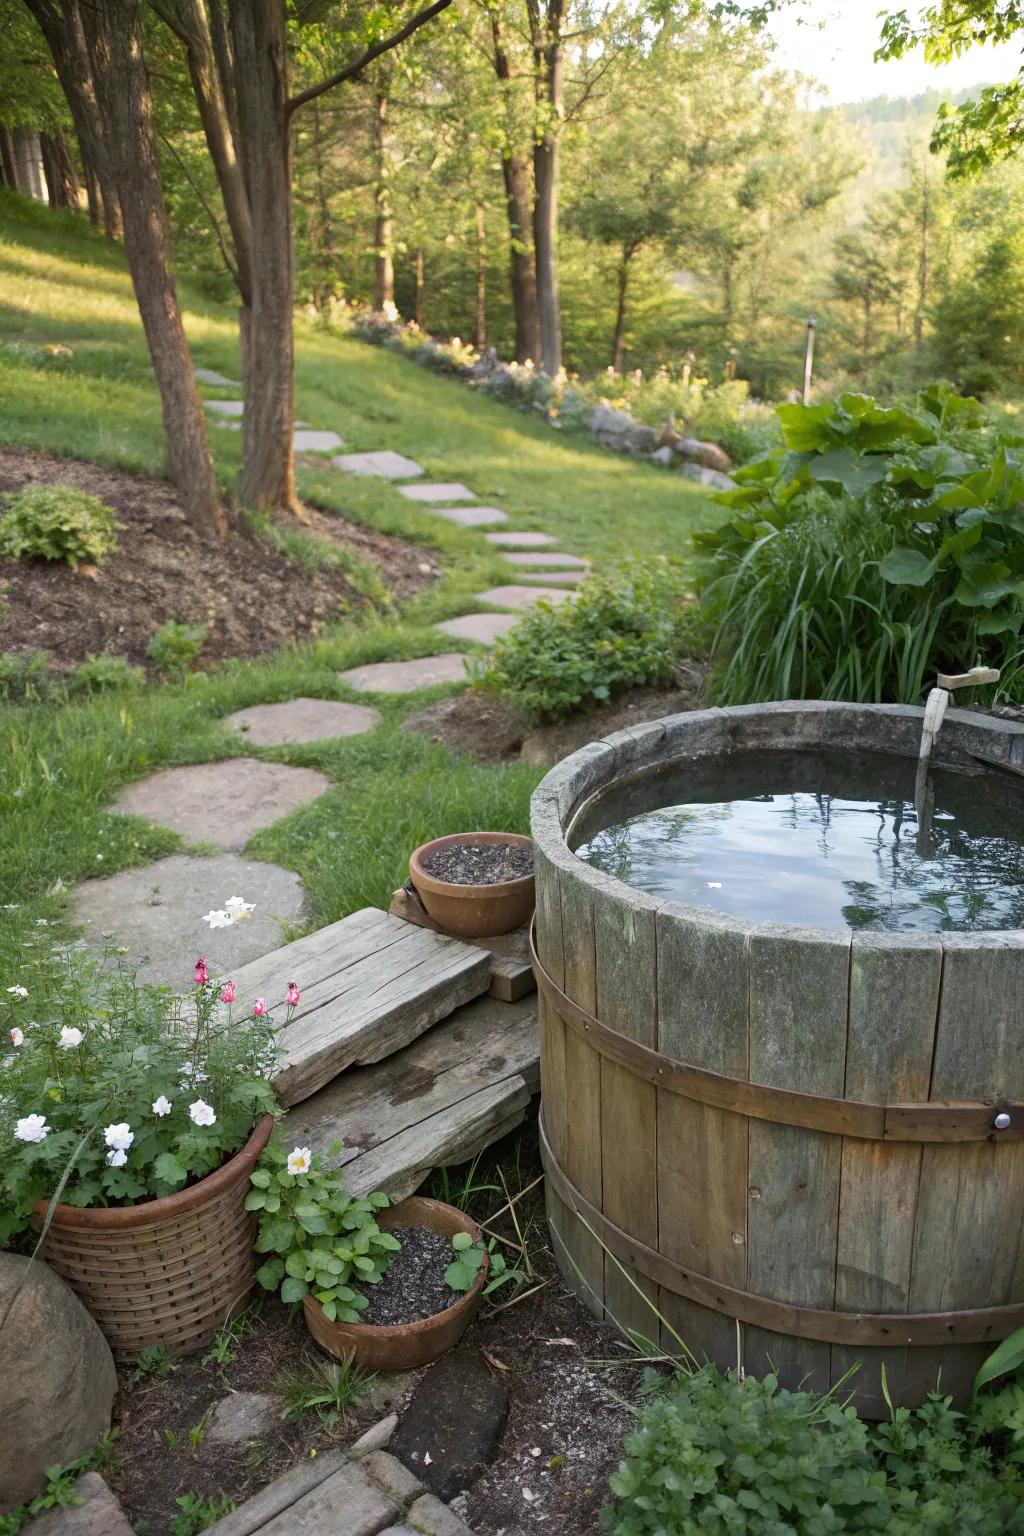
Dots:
pixel 55 522
pixel 877 545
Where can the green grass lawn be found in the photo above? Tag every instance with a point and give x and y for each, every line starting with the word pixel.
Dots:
pixel 60 766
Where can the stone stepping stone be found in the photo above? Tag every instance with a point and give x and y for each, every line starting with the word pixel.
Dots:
pixel 156 912
pixel 544 557
pixel 525 540
pixel 471 517
pixel 522 597
pixel 95 1511
pixel 482 628
pixel 225 407
pixel 407 676
pixel 370 985
pixel 453 1423
pixel 557 578
pixel 221 803
pixel 214 379
pixel 439 491
pixel 388 465
pixel 309 441
pixel 301 720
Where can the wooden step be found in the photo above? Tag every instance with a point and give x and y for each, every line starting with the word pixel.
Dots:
pixel 511 970
pixel 442 1100
pixel 369 985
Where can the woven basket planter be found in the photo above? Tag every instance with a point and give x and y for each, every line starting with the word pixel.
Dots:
pixel 167 1272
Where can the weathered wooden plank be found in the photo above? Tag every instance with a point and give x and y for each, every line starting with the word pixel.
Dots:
pixel 895 981
pixel 372 984
pixel 702 1150
pixel 798 1015
pixel 440 1100
pixel 626 996
pixel 511 970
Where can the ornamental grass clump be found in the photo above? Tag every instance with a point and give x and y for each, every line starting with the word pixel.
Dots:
pixel 114 1092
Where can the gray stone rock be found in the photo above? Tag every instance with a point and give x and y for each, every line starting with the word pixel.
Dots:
pixel 522 597
pixel 407 676
pixel 456 1417
pixel 388 1472
pixel 274 725
pixel 642 439
pixel 222 803
pixel 377 1438
pixel 524 540
pixel 279 1496
pixel 214 379
pixel 430 1517
pixel 310 441
pixel 157 913
pixel 388 465
pixel 439 491
pixel 97 1514
pixel 557 578
pixel 662 455
pixel 471 517
pixel 712 478
pixel 225 407
pixel 58 1377
pixel 349 1503
pixel 242 1417
pixel 482 628
pixel 543 557
pixel 607 422
pixel 707 454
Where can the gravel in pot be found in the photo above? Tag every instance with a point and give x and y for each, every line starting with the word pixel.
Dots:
pixel 479 863
pixel 413 1286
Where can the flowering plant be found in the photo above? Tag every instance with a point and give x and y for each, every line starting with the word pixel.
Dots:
pixel 113 1092
pixel 322 1240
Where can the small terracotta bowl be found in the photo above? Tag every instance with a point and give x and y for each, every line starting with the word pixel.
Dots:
pixel 405 1346
pixel 474 911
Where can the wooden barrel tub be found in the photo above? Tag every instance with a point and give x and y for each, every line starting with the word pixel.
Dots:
pixel 785 1140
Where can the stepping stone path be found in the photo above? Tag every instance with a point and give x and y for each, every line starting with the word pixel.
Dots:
pixel 407 676
pixel 556 578
pixel 522 597
pixel 525 540
pixel 309 441
pixel 221 803
pixel 302 720
pixel 388 465
pixel 481 628
pixel 448 491
pixel 225 407
pixel 544 557
pixel 471 517
pixel 156 912
pixel 214 379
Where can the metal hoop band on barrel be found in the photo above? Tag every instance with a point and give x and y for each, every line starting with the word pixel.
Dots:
pixel 897 1330
pixel 996 1120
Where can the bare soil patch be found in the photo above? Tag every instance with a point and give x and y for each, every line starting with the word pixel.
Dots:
pixel 251 597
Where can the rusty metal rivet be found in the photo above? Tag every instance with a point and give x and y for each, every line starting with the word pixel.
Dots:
pixel 1002 1121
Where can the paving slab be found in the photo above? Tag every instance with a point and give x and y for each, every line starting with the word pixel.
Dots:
pixel 98 1514
pixel 388 465
pixel 557 578
pixel 450 1431
pixel 225 407
pixel 298 720
pixel 522 597
pixel 482 628
pixel 447 490
pixel 242 1417
pixel 310 441
pixel 221 803
pixel 525 540
pixel 214 379
pixel 156 912
pixel 542 558
pixel 349 1503
pixel 471 517
pixel 407 676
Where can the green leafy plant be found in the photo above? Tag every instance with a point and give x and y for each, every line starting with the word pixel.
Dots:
pixel 175 647
pixel 197 1514
pixel 618 634
pixel 224 1349
pixel 96 674
pixel 461 1274
pixel 324 1387
pixel 324 1242
pixel 59 1492
pixel 876 546
pixel 55 522
pixel 115 1092
pixel 154 1361
pixel 24 675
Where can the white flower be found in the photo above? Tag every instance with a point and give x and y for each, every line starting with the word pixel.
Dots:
pixel 69 1038
pixel 120 1136
pixel 201 1113
pixel 162 1106
pixel 239 909
pixel 299 1160
pixel 32 1128
pixel 18 991
pixel 218 919
pixel 117 1158
pixel 17 1036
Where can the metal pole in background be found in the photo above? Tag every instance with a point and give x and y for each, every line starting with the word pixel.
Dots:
pixel 809 358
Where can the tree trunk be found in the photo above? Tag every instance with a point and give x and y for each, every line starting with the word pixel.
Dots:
pixel 114 39
pixel 923 260
pixel 260 59
pixel 418 272
pixel 7 161
pixel 383 235
pixel 549 71
pixel 62 183
pixel 619 339
pixel 29 161
pixel 480 318
pixel 515 171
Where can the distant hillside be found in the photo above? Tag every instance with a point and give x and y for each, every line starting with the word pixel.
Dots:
pixel 887 127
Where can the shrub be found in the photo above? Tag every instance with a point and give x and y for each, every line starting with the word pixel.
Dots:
pixel 56 522
pixel 97 673
pixel 877 546
pixel 24 675
pixel 617 634
pixel 714 1454
pixel 175 647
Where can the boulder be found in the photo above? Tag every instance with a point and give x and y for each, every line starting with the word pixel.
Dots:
pixel 58 1376
pixel 662 455
pixel 611 427
pixel 669 437
pixel 96 1512
pixel 712 478
pixel 708 454
pixel 642 439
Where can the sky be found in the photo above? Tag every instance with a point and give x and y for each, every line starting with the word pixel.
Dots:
pixel 837 40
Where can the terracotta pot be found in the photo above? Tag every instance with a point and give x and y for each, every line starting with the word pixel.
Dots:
pixel 474 911
pixel 165 1272
pixel 405 1346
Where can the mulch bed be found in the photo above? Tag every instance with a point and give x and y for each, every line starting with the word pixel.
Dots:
pixel 251 598
pixel 479 863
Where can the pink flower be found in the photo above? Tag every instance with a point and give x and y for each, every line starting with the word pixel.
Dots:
pixel 200 974
pixel 293 994
pixel 259 1007
pixel 228 992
